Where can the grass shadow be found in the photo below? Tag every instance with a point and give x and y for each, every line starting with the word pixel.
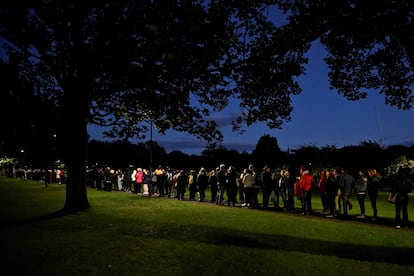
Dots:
pixel 12 223
pixel 243 239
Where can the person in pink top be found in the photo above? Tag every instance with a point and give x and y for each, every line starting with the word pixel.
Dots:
pixel 138 181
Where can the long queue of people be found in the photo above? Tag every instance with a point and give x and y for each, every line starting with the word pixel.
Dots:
pixel 280 187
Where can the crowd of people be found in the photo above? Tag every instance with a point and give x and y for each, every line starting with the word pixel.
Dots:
pixel 280 187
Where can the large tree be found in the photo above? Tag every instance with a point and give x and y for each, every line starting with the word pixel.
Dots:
pixel 125 63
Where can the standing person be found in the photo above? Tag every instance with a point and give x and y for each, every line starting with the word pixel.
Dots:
pixel 108 179
pixel 62 176
pixel 182 181
pixel 231 186
pixel 338 201
pixel 100 177
pixel 57 176
pixel 346 181
pixel 139 177
pixel 360 189
pixel 160 180
pixel 221 183
pixel 276 187
pixel 403 184
pixel 128 179
pixel 174 175
pixel 285 181
pixel 119 179
pixel 153 184
pixel 374 179
pixel 249 180
pixel 192 184
pixel 47 177
pixel 267 185
pixel 168 182
pixel 322 190
pixel 133 179
pixel 212 183
pixel 331 189
pixel 306 183
pixel 290 189
pixel 146 179
pixel 256 188
pixel 241 187
pixel 202 182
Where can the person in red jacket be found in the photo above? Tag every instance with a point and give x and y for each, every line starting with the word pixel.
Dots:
pixel 306 183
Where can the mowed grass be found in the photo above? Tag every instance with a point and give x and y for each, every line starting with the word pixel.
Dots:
pixel 126 234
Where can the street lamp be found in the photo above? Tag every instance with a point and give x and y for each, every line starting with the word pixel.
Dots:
pixel 54 147
pixel 22 158
pixel 150 159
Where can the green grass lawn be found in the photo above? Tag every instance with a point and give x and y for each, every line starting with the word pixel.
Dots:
pixel 126 234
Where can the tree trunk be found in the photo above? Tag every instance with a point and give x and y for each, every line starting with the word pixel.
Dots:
pixel 76 197
pixel 75 148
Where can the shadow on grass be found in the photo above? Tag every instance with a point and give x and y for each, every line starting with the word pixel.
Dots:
pixel 50 216
pixel 354 251
pixel 360 252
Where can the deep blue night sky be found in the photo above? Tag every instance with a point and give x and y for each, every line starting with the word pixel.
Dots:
pixel 321 117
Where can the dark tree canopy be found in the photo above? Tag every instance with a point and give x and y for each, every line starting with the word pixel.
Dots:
pixel 267 152
pixel 369 43
pixel 30 123
pixel 125 63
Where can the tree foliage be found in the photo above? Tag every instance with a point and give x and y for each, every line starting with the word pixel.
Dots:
pixel 267 152
pixel 30 123
pixel 369 44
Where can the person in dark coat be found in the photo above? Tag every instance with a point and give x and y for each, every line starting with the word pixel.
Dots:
pixel 346 183
pixel 266 182
pixel 374 179
pixel 202 183
pixel 212 183
pixel 402 185
pixel 331 189
pixel 231 186
pixel 182 181
pixel 221 184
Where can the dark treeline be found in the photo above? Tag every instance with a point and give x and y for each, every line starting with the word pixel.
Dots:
pixel 363 156
pixel 267 152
